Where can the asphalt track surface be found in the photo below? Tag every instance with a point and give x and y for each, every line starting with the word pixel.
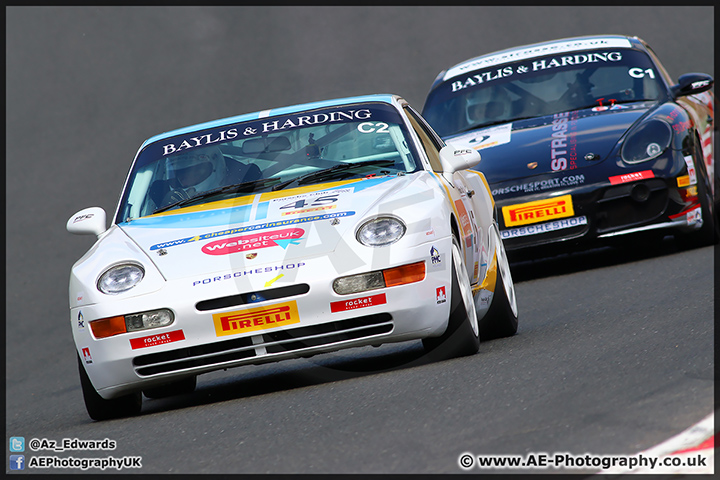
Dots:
pixel 614 352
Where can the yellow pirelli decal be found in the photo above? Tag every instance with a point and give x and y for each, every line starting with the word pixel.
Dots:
pixel 253 319
pixel 538 211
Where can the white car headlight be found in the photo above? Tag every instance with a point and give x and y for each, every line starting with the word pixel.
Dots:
pixel 381 231
pixel 147 320
pixel 120 278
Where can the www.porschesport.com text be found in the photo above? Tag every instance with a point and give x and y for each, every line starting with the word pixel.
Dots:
pixel 468 461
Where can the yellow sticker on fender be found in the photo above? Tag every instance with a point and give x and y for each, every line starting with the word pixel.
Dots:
pixel 683 181
pixel 262 318
pixel 538 211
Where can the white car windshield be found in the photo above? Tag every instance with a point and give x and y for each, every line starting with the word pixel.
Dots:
pixel 283 151
pixel 541 86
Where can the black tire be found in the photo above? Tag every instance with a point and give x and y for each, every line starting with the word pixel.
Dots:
pixel 501 319
pixel 709 233
pixel 180 387
pixel 100 409
pixel 461 337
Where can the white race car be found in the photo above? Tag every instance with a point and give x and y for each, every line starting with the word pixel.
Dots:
pixel 284 233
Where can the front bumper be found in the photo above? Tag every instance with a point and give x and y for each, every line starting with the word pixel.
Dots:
pixel 214 330
pixel 602 212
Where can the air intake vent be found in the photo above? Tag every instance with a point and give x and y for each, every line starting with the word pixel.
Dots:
pixel 242 350
pixel 253 297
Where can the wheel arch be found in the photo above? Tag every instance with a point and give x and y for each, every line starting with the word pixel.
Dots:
pixel 454 228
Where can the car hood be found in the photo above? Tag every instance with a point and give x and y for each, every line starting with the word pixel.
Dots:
pixel 273 228
pixel 528 147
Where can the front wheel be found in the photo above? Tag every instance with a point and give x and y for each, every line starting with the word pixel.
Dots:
pixel 461 337
pixel 100 409
pixel 501 319
pixel 709 231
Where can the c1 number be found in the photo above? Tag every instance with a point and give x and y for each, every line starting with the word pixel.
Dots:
pixel 640 73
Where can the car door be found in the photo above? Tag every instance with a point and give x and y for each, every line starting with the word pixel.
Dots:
pixel 471 237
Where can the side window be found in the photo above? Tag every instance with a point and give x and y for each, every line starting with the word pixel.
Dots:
pixel 430 141
pixel 656 61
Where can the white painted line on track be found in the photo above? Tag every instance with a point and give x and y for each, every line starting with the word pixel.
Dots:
pixel 692 444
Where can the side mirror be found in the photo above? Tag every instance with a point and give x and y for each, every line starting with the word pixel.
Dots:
pixel 692 83
pixel 453 158
pixel 90 220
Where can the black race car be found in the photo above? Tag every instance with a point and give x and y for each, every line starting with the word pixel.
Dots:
pixel 585 140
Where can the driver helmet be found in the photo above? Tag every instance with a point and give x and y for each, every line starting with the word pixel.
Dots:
pixel 486 105
pixel 200 169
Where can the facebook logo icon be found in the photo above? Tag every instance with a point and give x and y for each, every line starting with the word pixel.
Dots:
pixel 17 462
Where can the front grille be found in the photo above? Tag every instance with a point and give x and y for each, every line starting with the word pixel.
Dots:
pixel 197 356
pixel 294 339
pixel 253 297
pixel 632 204
pixel 327 333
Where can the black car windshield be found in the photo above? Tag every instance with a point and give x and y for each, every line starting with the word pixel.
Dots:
pixel 541 86
pixel 255 156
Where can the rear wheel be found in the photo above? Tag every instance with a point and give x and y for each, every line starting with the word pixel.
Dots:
pixel 461 337
pixel 100 409
pixel 501 319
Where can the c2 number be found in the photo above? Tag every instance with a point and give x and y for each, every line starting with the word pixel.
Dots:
pixel 370 127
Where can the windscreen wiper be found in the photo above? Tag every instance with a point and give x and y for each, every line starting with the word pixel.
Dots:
pixel 492 124
pixel 609 104
pixel 329 172
pixel 237 187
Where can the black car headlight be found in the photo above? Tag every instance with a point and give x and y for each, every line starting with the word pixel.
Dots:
pixel 120 278
pixel 646 142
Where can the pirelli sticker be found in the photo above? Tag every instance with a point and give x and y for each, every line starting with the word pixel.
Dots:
pixel 253 319
pixel 538 211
